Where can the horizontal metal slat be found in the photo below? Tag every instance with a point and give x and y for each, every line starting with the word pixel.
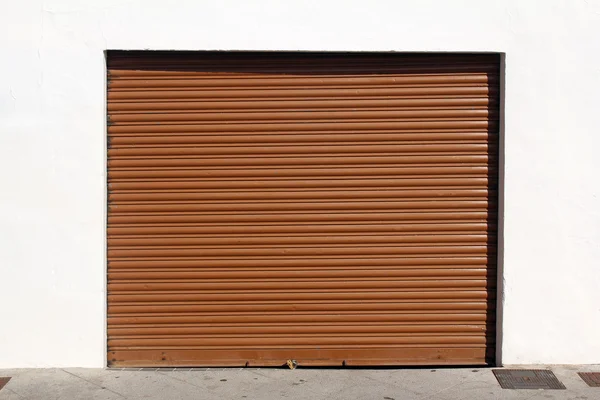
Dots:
pixel 273 250
pixel 422 317
pixel 263 81
pixel 392 355
pixel 470 205
pixel 266 282
pixel 301 240
pixel 302 183
pixel 451 261
pixel 313 328
pixel 296 116
pixel 174 230
pixel 144 96
pixel 452 305
pixel 321 160
pixel 266 274
pixel 145 139
pixel 236 197
pixel 296 172
pixel 279 126
pixel 280 150
pixel 116 107
pixel 242 341
pixel 388 217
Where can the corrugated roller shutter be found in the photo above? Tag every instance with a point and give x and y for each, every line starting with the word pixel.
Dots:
pixel 327 208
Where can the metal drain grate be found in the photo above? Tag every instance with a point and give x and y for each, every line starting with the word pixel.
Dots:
pixel 591 378
pixel 3 381
pixel 527 379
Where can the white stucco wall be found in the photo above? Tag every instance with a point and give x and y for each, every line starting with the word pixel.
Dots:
pixel 52 149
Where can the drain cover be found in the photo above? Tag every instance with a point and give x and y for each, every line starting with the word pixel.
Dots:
pixel 3 381
pixel 527 379
pixel 591 378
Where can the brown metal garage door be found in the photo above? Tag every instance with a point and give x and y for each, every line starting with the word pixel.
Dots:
pixel 328 208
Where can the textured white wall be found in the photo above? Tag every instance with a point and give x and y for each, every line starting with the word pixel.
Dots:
pixel 52 149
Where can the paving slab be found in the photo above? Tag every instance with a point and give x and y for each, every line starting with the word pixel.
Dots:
pixel 425 382
pixel 272 383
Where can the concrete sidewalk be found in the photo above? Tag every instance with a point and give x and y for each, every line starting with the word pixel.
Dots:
pixel 253 383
